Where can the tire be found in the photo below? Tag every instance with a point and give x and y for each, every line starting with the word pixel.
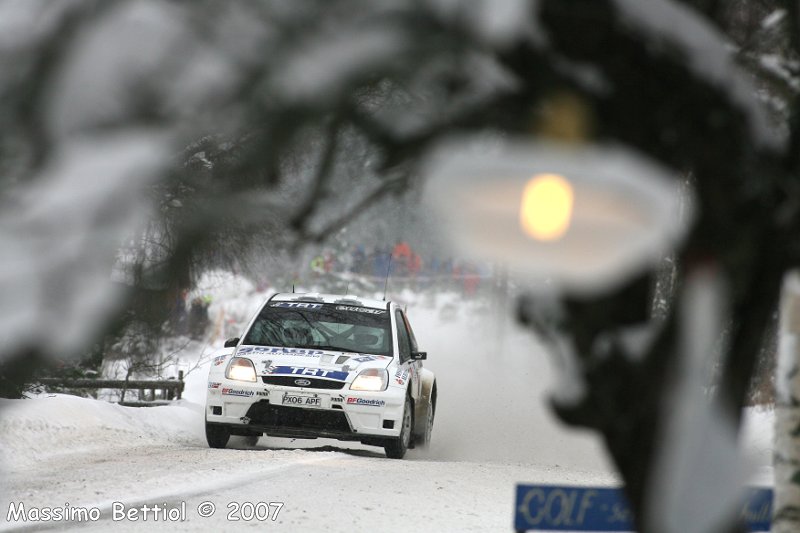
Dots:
pixel 217 436
pixel 424 440
pixel 397 448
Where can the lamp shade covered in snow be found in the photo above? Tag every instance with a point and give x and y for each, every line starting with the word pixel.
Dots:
pixel 582 216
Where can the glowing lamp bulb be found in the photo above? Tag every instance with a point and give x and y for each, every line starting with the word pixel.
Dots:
pixel 546 208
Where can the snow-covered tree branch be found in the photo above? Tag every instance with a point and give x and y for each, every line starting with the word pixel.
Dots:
pixel 152 138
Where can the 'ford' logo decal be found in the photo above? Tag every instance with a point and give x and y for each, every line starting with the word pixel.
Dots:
pixel 302 382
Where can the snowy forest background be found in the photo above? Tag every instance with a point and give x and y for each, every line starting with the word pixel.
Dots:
pixel 146 143
pixel 174 146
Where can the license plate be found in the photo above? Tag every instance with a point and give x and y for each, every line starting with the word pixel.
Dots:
pixel 301 400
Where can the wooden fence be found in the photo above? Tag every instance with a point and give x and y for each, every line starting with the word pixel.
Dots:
pixel 170 389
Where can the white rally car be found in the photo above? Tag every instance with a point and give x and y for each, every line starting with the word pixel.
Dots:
pixel 320 365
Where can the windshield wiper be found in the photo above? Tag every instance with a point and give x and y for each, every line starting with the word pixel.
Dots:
pixel 335 348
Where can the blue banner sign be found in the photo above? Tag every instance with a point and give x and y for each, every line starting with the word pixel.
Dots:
pixel 554 508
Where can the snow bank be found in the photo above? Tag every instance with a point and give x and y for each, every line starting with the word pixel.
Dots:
pixel 50 427
pixel 54 426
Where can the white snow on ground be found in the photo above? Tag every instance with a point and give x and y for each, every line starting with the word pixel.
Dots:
pixel 492 430
pixel 52 427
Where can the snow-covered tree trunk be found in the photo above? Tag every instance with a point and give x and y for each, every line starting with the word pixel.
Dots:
pixel 787 412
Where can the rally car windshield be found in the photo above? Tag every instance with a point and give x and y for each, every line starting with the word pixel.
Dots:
pixel 322 326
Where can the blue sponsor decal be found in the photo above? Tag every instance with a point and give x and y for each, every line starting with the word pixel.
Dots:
pixel 306 352
pixel 296 305
pixel 553 508
pixel 313 372
pixel 219 360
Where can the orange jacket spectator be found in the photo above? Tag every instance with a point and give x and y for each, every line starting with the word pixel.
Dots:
pixel 402 255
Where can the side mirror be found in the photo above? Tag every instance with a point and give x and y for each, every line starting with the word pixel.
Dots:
pixel 419 356
pixel 231 343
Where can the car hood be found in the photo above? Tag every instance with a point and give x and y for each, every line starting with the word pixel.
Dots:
pixel 310 362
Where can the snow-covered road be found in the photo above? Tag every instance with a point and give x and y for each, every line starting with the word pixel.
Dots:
pixel 324 487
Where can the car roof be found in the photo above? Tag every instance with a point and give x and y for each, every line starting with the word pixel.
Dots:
pixel 344 299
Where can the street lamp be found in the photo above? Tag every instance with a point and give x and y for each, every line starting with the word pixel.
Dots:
pixel 583 216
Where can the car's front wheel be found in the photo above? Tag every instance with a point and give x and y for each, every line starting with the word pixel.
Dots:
pixel 397 448
pixel 217 436
pixel 425 439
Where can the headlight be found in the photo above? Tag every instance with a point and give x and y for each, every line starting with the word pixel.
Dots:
pixel 371 379
pixel 241 369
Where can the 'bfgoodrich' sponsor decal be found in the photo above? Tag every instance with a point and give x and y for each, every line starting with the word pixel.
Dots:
pixel 364 401
pixel 238 392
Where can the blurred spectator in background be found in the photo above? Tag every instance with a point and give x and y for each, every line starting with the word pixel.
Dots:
pixel 380 263
pixel 414 264
pixel 318 265
pixel 414 268
pixel 401 256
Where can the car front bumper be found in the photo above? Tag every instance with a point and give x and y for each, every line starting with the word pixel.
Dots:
pixel 249 408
